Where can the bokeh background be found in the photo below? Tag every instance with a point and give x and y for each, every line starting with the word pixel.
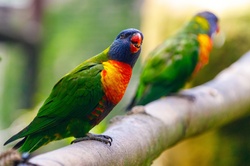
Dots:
pixel 41 40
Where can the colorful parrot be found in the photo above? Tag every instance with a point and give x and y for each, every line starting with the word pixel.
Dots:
pixel 84 96
pixel 176 60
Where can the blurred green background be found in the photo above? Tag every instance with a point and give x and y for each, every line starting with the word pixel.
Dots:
pixel 43 40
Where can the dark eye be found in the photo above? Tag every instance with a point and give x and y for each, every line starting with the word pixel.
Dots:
pixel 122 36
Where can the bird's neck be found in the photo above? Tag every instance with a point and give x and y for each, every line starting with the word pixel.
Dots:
pixel 197 25
pixel 115 78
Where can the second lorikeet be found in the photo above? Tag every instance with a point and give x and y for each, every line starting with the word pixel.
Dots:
pixel 84 96
pixel 177 59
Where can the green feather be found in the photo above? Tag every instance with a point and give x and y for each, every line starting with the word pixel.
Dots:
pixel 74 91
pixel 70 108
pixel 170 65
pixel 168 68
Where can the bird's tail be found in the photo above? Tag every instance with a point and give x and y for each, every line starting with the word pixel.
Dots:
pixel 141 90
pixel 28 144
pixel 131 104
pixel 31 143
pixel 20 143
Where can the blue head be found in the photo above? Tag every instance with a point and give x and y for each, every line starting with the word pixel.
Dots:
pixel 212 20
pixel 127 46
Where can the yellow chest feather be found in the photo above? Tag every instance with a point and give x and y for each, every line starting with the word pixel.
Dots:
pixel 115 78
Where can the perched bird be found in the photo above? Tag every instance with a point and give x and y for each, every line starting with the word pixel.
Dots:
pixel 176 60
pixel 84 96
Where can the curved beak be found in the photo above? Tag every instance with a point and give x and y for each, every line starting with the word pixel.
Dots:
pixel 217 29
pixel 136 42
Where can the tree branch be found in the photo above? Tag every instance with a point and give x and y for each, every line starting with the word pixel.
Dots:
pixel 141 137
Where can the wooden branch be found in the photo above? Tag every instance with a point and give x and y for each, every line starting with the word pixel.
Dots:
pixel 141 137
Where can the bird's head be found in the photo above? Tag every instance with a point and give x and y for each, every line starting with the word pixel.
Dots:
pixel 212 20
pixel 127 46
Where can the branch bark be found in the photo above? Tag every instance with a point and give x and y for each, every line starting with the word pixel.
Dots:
pixel 141 137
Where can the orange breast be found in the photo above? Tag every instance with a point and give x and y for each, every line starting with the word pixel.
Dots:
pixel 205 48
pixel 115 78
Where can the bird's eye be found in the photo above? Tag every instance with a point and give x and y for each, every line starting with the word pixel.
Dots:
pixel 122 36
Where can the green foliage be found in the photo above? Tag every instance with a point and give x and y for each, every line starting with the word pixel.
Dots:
pixel 12 72
pixel 231 151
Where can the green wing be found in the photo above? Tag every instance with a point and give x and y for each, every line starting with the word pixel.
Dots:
pixel 168 68
pixel 74 96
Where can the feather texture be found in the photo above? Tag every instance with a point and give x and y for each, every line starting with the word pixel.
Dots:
pixel 84 96
pixel 176 60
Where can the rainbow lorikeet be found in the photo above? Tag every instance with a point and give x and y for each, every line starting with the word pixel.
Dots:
pixel 177 59
pixel 84 96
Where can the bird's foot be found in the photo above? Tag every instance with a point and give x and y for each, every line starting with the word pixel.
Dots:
pixel 102 138
pixel 189 97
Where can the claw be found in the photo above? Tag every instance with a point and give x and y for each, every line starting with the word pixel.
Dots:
pixel 102 138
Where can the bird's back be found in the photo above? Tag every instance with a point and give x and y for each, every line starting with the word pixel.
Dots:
pixel 175 61
pixel 168 67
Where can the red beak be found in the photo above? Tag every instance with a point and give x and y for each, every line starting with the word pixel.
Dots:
pixel 136 41
pixel 218 29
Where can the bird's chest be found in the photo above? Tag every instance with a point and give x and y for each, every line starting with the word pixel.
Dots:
pixel 115 78
pixel 204 51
